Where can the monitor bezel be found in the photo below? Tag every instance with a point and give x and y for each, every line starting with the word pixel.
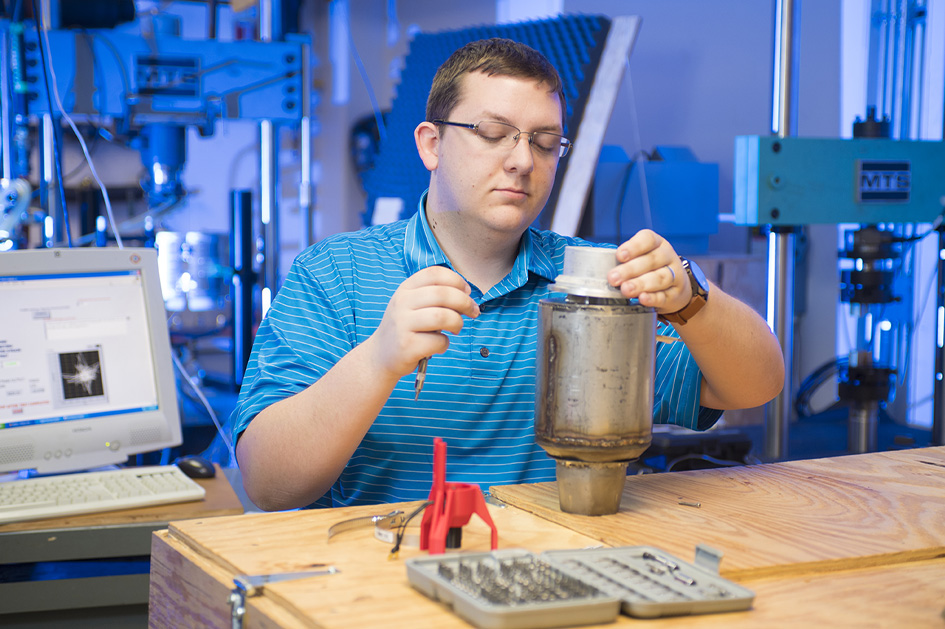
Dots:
pixel 84 444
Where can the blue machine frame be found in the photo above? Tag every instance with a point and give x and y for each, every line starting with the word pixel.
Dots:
pixel 802 181
pixel 167 79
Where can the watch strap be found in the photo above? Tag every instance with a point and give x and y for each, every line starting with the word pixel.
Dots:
pixel 682 316
pixel 696 303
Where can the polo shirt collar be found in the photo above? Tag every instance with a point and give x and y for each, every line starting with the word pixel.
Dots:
pixel 422 250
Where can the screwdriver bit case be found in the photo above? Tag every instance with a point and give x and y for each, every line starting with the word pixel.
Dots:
pixel 650 582
pixel 517 589
pixel 505 589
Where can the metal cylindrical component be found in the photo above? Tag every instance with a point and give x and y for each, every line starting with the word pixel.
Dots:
pixel 594 395
pixel 590 488
pixel 594 392
pixel 863 427
pixel 595 380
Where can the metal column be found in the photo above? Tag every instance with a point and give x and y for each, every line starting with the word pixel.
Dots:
pixel 6 105
pixel 305 147
pixel 270 23
pixel 782 242
pixel 938 387
pixel 244 279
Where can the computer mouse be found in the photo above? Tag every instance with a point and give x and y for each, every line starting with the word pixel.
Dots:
pixel 196 466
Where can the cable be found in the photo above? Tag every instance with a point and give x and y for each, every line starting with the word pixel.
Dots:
pixel 922 305
pixel 403 528
pixel 381 129
pixel 80 165
pixel 47 63
pixel 814 381
pixel 635 127
pixel 125 80
pixel 47 69
pixel 89 39
pixel 933 228
pixel 702 457
pixel 206 404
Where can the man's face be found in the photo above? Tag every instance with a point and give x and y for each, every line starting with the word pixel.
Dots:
pixel 493 187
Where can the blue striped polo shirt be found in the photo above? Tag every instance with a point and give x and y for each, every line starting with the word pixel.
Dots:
pixel 479 396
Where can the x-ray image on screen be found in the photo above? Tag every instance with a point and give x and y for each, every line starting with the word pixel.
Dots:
pixel 81 375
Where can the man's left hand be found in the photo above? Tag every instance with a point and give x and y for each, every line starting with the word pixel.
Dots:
pixel 649 270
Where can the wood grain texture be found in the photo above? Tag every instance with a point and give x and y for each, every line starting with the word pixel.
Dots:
pixel 369 590
pixel 219 500
pixel 190 582
pixel 778 519
pixel 834 542
pixel 901 596
pixel 190 591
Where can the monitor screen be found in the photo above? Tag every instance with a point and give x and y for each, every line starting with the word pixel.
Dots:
pixel 86 377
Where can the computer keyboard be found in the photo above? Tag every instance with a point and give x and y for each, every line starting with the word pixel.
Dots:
pixel 91 492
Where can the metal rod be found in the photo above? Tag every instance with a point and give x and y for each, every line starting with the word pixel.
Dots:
pixel 896 88
pixel 781 305
pixel 785 65
pixel 887 28
pixel 269 23
pixel 51 168
pixel 305 146
pixel 938 386
pixel 268 204
pixel 241 259
pixel 6 103
pixel 781 320
pixel 874 58
pixel 862 427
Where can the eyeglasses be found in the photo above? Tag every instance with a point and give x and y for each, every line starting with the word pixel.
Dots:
pixel 506 136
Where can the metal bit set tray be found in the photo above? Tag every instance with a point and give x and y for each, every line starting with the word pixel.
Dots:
pixel 650 582
pixel 517 589
pixel 510 589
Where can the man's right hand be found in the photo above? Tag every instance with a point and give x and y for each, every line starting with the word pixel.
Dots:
pixel 427 304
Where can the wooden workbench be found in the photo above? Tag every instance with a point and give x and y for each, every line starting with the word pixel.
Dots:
pixel 193 565
pixel 852 541
pixel 778 519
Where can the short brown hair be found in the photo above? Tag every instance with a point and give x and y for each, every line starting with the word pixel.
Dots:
pixel 495 56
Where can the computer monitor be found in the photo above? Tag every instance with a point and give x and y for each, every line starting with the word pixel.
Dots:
pixel 86 377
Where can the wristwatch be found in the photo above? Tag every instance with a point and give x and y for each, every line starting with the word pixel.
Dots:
pixel 700 294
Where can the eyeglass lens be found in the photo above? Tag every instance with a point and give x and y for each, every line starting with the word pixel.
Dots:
pixel 508 136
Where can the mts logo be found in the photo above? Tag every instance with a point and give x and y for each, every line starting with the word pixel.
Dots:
pixel 883 181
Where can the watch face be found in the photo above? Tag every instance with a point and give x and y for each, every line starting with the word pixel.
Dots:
pixel 699 276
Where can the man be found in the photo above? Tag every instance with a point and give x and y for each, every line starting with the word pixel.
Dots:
pixel 327 408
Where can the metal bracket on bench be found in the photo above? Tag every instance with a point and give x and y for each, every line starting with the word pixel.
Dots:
pixel 248 586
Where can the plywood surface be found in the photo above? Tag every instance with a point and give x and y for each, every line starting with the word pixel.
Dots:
pixel 910 595
pixel 200 556
pixel 193 564
pixel 219 500
pixel 779 519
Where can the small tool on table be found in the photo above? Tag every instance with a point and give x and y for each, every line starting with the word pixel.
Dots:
pixel 421 377
pixel 395 518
